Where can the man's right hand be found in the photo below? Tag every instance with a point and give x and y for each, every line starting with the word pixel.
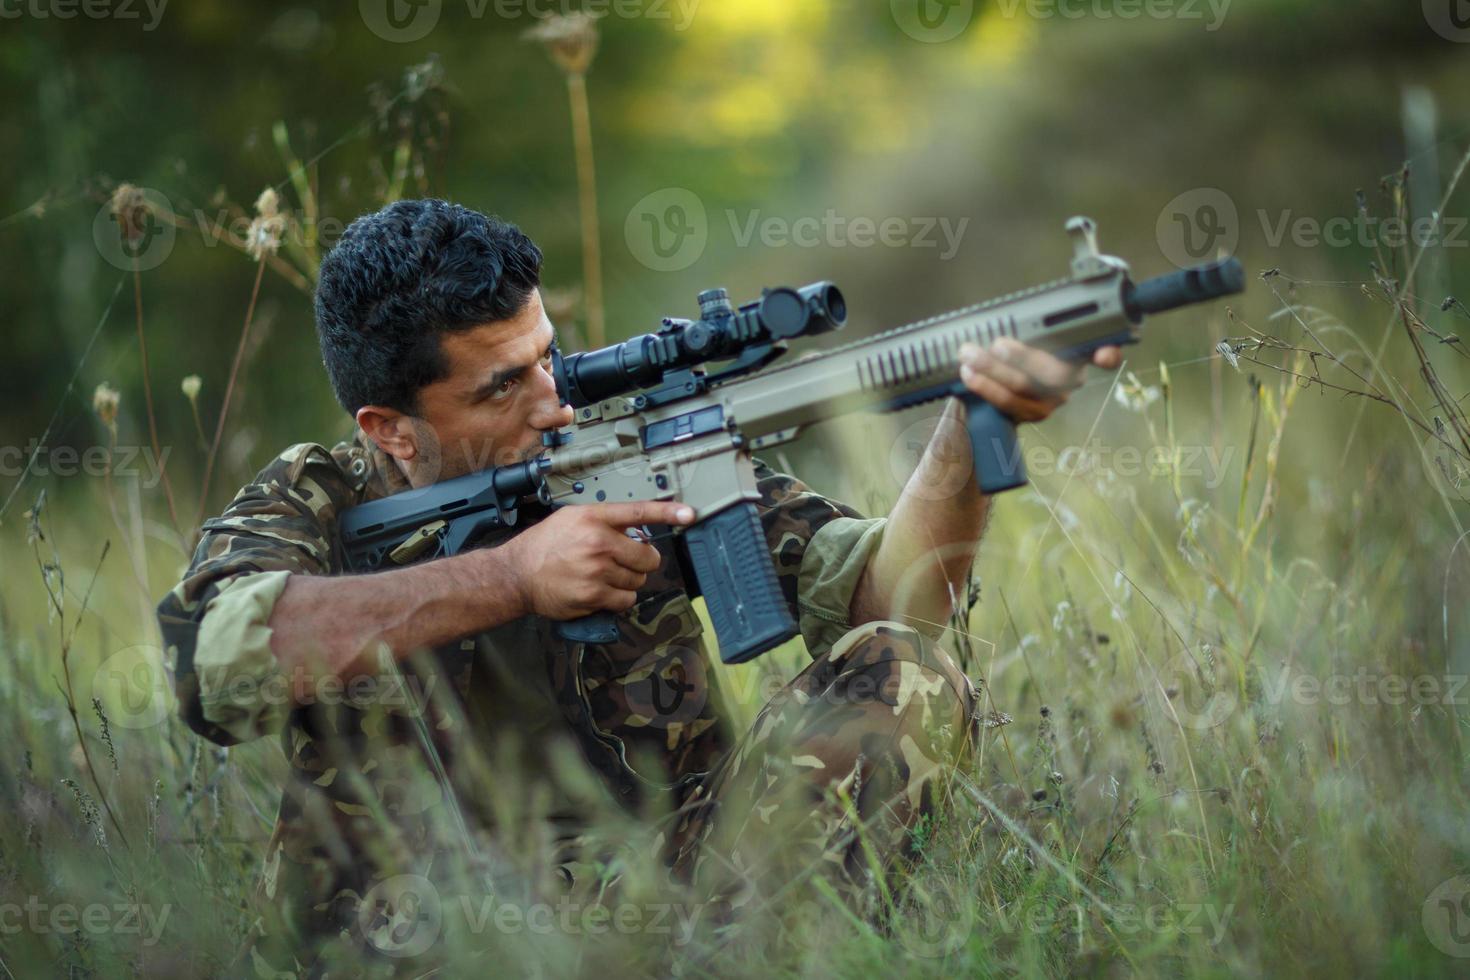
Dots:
pixel 580 559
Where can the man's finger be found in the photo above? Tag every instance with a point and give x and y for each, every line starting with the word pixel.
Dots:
pixel 1108 358
pixel 1019 407
pixel 1032 372
pixel 617 600
pixel 637 556
pixel 1048 372
pixel 1004 374
pixel 622 578
pixel 635 512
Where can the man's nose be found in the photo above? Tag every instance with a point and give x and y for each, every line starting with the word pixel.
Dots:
pixel 549 413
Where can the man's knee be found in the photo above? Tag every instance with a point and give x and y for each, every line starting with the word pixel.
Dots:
pixel 909 665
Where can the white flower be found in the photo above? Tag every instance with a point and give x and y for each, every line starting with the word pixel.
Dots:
pixel 1134 395
pixel 104 402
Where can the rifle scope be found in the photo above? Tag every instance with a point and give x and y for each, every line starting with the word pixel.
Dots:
pixel 721 332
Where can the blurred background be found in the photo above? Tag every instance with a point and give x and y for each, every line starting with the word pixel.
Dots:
pixel 1274 483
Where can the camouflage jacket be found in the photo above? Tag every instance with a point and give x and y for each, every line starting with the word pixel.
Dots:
pixel 644 710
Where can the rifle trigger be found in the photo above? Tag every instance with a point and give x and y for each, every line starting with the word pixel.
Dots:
pixel 417 543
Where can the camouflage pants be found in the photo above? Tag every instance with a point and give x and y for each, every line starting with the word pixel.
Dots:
pixel 835 772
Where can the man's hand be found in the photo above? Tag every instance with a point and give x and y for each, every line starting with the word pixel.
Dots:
pixel 1023 382
pixel 580 560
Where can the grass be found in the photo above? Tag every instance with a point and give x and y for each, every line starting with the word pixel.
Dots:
pixel 1182 774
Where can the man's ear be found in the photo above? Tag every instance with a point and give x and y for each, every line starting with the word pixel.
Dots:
pixel 393 431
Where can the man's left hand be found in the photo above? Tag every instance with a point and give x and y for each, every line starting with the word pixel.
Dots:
pixel 1024 382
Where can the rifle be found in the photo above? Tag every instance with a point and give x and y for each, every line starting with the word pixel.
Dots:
pixel 652 422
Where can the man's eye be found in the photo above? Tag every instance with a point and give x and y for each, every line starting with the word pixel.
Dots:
pixel 505 388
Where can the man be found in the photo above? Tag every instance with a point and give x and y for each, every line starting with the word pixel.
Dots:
pixel 434 336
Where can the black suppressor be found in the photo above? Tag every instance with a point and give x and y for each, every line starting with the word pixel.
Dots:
pixel 1185 287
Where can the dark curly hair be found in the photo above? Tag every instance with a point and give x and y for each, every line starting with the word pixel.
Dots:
pixel 399 278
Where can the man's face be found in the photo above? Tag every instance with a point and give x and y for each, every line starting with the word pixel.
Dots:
pixel 495 403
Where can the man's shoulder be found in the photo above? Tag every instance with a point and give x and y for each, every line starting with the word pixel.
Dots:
pixel 348 465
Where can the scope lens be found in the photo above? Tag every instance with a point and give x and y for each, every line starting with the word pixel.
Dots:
pixel 828 304
pixel 836 305
pixel 783 313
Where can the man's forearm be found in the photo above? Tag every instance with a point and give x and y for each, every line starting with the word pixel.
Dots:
pixel 332 625
pixel 932 533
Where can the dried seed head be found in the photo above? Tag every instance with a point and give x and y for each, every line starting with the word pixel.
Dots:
pixel 104 402
pixel 191 386
pixel 268 204
pixel 131 210
pixel 267 227
pixel 570 39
